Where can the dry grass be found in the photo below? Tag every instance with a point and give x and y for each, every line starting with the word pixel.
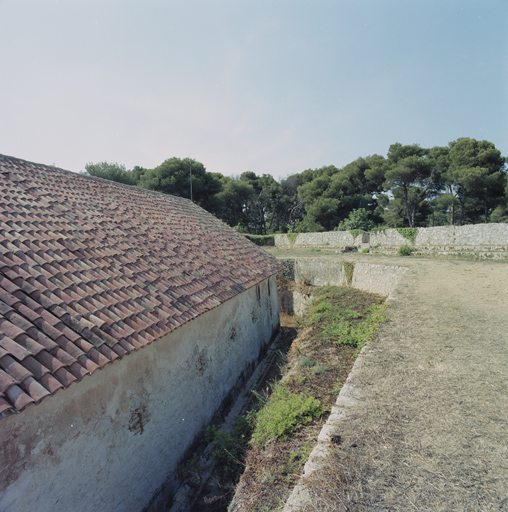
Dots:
pixel 429 430
pixel 319 367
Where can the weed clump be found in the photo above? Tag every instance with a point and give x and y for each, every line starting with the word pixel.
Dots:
pixel 283 413
pixel 405 250
pixel 408 233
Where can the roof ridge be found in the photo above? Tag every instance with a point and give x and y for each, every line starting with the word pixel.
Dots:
pixel 90 177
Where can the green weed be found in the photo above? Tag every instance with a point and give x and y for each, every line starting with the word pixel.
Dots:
pixel 405 250
pixel 317 369
pixel 283 413
pixel 228 448
pixel 336 389
pixel 409 233
pixel 305 362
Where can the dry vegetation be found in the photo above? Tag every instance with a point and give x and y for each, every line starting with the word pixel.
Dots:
pixel 428 429
pixel 317 365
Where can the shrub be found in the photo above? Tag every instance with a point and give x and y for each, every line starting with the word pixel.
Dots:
pixel 405 250
pixel 358 220
pixel 262 240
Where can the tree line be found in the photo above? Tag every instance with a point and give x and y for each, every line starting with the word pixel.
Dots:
pixel 464 182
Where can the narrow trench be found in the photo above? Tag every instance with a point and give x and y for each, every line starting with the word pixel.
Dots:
pixel 310 363
pixel 213 497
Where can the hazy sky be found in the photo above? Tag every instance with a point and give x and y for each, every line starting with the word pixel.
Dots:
pixel 270 86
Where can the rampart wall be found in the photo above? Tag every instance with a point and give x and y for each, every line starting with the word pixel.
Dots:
pixel 479 240
pixel 309 272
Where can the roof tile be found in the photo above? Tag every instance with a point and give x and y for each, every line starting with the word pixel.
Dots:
pixel 91 270
pixel 18 398
pixel 35 390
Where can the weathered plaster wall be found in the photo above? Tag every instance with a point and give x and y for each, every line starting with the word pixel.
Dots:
pixel 480 240
pixel 113 440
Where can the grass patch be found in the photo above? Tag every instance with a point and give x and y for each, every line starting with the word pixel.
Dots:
pixel 305 362
pixel 318 369
pixel 349 269
pixel 228 449
pixel 345 332
pixel 284 425
pixel 283 413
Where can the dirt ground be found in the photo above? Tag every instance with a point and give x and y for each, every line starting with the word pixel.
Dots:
pixel 429 430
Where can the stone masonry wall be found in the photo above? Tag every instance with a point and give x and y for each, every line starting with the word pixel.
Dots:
pixel 480 240
pixel 309 272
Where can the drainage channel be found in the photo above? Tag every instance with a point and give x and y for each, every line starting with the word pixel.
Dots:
pixel 197 492
pixel 295 290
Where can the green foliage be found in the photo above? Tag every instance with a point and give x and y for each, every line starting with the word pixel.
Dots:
pixel 262 240
pixel 464 182
pixel 291 238
pixel 500 214
pixel 227 449
pixel 475 176
pixel 295 462
pixel 175 176
pixel 112 171
pixel 408 233
pixel 283 413
pixel 344 332
pixel 241 229
pixel 345 326
pixel 357 222
pixel 318 369
pixel 323 310
pixel 336 390
pixel 305 362
pixel 349 269
pixel 356 232
pixel 409 178
pixel 366 250
pixel 405 250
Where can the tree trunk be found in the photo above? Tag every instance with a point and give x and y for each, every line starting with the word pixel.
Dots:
pixel 462 208
pixel 408 213
pixel 453 204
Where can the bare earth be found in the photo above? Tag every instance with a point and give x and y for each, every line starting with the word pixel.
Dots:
pixel 429 427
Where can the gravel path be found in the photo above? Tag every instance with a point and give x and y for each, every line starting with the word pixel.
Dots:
pixel 422 423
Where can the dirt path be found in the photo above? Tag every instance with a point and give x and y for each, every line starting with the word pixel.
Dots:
pixel 426 422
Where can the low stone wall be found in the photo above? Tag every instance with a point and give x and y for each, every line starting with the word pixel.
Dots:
pixel 340 239
pixel 306 273
pixel 479 240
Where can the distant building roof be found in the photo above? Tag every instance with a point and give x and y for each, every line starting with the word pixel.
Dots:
pixel 91 270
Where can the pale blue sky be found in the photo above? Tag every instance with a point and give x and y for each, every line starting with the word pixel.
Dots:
pixel 270 86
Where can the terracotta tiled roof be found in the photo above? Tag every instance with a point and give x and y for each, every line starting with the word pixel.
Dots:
pixel 91 270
